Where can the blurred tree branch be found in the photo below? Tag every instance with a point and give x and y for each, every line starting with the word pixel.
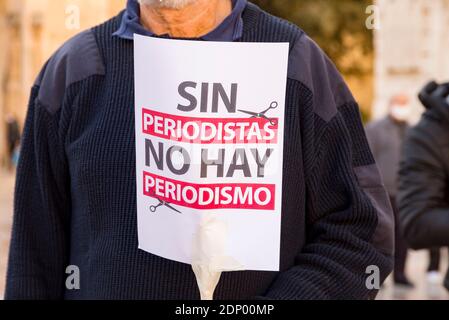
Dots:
pixel 337 26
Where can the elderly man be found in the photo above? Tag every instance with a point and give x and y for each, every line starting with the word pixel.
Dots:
pixel 386 137
pixel 75 202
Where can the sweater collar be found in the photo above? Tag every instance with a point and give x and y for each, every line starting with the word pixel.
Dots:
pixel 230 29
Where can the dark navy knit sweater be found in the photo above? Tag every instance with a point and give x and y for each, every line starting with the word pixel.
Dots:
pixel 75 200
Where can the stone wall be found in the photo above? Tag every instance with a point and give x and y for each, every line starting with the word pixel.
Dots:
pixel 2 81
pixel 31 31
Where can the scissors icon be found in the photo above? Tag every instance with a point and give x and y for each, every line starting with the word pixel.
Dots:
pixel 163 203
pixel 262 115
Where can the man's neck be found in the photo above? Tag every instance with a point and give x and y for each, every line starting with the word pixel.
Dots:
pixel 192 21
pixel 397 122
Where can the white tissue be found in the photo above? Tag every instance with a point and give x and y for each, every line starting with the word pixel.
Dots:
pixel 209 258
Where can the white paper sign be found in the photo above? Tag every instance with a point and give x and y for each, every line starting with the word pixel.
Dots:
pixel 209 139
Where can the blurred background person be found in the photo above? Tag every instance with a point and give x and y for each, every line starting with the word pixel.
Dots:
pixel 386 137
pixel 433 270
pixel 423 195
pixel 13 139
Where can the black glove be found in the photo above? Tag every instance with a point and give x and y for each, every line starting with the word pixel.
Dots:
pixel 434 95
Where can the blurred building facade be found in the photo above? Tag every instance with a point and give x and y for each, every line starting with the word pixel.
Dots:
pixel 412 45
pixel 31 30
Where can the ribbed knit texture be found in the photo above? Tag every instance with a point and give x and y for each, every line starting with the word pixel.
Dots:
pixel 75 198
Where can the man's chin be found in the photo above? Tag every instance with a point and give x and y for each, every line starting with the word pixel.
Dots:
pixel 169 4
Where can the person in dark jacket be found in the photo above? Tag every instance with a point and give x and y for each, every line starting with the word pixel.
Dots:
pixel 12 137
pixel 423 196
pixel 75 200
pixel 386 137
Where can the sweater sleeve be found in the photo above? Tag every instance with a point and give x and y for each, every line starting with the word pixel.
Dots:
pixel 38 250
pixel 371 134
pixel 422 198
pixel 349 221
